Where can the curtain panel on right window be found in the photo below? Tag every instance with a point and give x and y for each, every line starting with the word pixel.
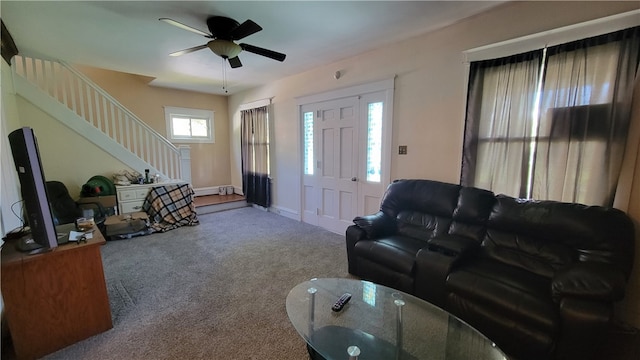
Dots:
pixel 552 124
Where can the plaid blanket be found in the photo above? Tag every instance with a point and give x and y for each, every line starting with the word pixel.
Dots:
pixel 170 206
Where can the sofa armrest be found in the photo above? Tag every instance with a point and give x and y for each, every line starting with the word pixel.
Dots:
pixel 589 280
pixel 432 269
pixel 353 235
pixel 434 263
pixel 453 245
pixel 376 225
pixel 368 227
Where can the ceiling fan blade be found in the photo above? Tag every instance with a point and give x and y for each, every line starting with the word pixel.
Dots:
pixel 245 29
pixel 185 27
pixel 189 50
pixel 264 52
pixel 234 62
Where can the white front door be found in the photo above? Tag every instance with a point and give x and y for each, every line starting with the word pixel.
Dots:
pixel 331 186
pixel 346 159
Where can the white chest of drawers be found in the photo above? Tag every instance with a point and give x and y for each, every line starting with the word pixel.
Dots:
pixel 131 197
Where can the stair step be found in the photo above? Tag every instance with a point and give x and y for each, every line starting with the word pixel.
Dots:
pixel 214 203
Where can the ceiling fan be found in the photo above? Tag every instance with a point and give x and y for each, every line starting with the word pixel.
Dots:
pixel 223 32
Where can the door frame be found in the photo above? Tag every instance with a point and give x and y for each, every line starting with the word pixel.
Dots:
pixel 385 86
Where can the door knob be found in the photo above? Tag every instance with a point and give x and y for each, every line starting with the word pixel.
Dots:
pixel 354 179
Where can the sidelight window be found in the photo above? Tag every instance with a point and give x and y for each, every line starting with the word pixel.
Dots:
pixel 374 141
pixel 308 142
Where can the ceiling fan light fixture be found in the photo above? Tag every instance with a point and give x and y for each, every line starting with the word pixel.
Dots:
pixel 224 48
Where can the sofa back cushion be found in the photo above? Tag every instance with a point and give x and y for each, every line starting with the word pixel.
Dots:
pixel 471 213
pixel 421 225
pixel 424 209
pixel 421 196
pixel 543 236
pixel 527 252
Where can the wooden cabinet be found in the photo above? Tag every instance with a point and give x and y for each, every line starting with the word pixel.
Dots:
pixel 54 299
pixel 131 197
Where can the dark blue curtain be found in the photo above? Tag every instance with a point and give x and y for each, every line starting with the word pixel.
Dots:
pixel 257 188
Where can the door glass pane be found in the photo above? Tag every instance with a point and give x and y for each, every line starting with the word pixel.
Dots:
pixel 374 141
pixel 308 143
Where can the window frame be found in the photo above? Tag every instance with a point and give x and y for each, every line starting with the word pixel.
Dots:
pixel 172 111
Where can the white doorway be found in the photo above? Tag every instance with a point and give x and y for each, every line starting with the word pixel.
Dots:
pixel 346 137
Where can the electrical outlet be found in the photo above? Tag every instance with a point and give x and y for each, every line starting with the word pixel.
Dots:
pixel 402 150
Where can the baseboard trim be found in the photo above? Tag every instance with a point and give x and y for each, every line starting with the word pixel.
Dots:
pixel 286 212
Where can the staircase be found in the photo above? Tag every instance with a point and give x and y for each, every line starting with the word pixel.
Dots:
pixel 73 99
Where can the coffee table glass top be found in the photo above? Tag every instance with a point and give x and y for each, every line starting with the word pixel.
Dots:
pixel 376 320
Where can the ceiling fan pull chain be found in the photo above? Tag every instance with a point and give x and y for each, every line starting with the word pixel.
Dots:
pixel 224 75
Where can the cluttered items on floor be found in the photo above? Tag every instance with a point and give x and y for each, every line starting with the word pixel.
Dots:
pixel 126 226
pixel 165 207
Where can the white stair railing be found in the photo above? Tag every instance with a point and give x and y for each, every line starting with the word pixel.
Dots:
pixel 82 96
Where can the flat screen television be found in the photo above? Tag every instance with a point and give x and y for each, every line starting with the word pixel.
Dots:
pixel 26 157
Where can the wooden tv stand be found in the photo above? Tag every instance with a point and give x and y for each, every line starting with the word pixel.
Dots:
pixel 54 299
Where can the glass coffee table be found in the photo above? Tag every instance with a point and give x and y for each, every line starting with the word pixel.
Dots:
pixel 380 323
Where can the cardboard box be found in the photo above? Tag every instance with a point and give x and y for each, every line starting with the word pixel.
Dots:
pixel 125 224
pixel 108 202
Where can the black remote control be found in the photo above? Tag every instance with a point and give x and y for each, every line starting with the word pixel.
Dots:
pixel 341 302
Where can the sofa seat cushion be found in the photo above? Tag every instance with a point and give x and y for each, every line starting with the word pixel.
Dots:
pixel 395 252
pixel 517 293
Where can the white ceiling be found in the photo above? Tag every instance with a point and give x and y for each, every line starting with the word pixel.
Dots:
pixel 126 36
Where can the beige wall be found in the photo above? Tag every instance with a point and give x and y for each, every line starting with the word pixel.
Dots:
pixel 9 186
pixel 71 159
pixel 65 156
pixel 429 96
pixel 209 162
pixel 429 91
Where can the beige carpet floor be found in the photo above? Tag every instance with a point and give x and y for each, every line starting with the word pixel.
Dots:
pixel 212 291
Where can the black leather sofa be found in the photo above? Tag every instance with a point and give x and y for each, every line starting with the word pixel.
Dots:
pixel 539 278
